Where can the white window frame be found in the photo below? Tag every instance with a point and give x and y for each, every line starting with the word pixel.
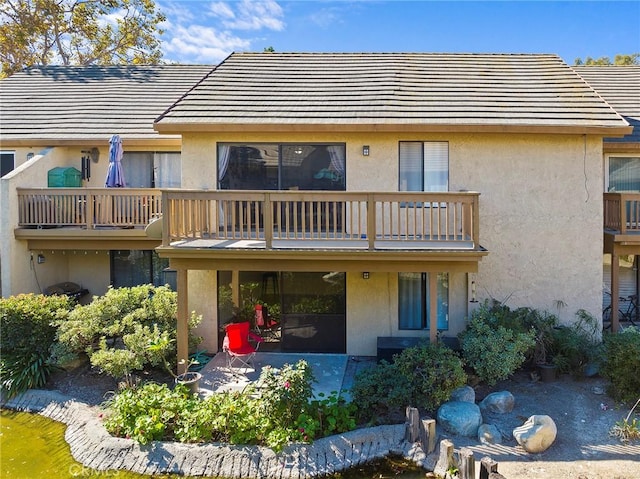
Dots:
pixel 607 163
pixel 433 154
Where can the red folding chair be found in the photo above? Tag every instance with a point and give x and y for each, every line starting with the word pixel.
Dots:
pixel 239 344
pixel 265 326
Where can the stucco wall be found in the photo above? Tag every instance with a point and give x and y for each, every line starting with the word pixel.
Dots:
pixel 87 268
pixel 540 217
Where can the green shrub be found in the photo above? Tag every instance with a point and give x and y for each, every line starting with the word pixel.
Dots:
pixel 26 338
pixel 496 343
pixel 277 418
pixel 573 347
pixel 621 363
pixel 116 330
pixel 421 376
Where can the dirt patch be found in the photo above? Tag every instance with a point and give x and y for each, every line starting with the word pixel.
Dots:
pixel 584 416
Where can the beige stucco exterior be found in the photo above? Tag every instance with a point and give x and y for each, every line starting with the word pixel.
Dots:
pixel 540 219
pixel 87 267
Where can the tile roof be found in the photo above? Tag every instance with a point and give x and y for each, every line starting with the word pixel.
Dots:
pixel 619 85
pixel 363 91
pixel 60 103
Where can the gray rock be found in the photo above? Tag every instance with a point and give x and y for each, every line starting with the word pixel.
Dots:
pixel 489 434
pixel 537 434
pixel 464 393
pixel 499 402
pixel 591 370
pixel 460 418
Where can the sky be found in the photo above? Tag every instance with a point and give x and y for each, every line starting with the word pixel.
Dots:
pixel 206 32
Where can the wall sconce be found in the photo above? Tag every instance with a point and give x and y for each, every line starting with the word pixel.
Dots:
pixel 365 150
pixel 30 155
pixel 365 275
pixel 473 292
pixel 41 259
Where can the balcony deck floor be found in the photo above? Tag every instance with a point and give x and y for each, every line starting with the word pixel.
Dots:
pixel 323 244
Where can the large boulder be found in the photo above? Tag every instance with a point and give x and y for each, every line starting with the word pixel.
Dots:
pixel 460 418
pixel 536 434
pixel 489 434
pixel 500 402
pixel 464 393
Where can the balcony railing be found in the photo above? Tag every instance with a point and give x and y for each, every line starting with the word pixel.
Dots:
pixel 273 219
pixel 622 212
pixel 88 207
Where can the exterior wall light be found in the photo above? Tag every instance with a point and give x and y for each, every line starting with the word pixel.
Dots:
pixel 365 150
pixel 365 275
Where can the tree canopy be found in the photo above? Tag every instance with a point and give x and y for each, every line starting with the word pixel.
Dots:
pixel 78 32
pixel 632 59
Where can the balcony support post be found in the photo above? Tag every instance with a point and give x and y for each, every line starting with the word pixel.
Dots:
pixel 182 331
pixel 371 221
pixel 433 307
pixel 268 221
pixel 615 288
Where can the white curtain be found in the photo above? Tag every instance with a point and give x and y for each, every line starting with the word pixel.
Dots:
pixel 336 153
pixel 224 152
pixel 167 170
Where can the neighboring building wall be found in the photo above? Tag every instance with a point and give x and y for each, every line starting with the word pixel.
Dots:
pixel 17 276
pixel 540 213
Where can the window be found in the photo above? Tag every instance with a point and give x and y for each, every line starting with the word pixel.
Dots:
pixel 136 267
pixel 424 166
pixel 145 169
pixel 413 300
pixel 281 167
pixel 624 173
pixel 7 162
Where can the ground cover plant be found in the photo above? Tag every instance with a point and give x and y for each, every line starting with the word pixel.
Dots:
pixel 275 416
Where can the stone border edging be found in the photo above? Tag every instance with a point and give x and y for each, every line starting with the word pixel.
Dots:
pixel 95 448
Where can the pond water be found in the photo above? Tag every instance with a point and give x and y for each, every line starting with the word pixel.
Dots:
pixel 33 447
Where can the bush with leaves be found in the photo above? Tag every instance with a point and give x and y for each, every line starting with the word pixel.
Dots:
pixel 621 363
pixel 422 376
pixel 575 346
pixel 116 329
pixel 27 335
pixel 154 412
pixel 495 351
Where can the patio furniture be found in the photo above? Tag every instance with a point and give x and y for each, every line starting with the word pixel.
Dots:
pixel 239 344
pixel 265 326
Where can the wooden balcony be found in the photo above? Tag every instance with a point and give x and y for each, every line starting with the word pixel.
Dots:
pixel 321 220
pixel 263 229
pixel 87 218
pixel 622 223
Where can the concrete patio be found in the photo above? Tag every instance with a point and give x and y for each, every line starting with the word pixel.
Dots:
pixel 333 372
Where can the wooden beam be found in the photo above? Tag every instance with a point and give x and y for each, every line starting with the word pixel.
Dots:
pixel 433 307
pixel 182 332
pixel 615 291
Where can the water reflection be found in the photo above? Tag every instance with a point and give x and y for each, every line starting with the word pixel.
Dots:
pixel 33 447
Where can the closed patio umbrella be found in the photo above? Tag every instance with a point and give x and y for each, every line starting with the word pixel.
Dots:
pixel 115 175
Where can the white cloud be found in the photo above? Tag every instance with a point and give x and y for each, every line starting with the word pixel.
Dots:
pixel 207 32
pixel 200 44
pixel 250 15
pixel 221 9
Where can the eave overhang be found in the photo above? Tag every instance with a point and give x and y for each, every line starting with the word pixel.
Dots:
pixel 322 260
pixel 174 127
